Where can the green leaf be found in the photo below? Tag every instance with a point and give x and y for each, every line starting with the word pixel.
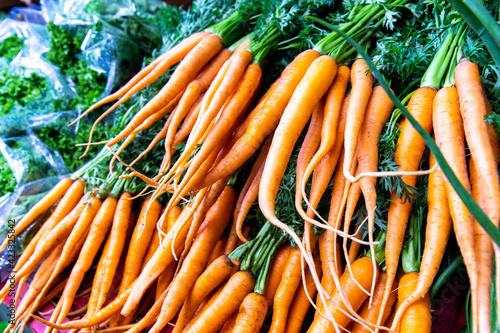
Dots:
pixel 469 202
pixel 486 29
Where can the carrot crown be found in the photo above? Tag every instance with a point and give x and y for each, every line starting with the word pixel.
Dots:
pixel 412 252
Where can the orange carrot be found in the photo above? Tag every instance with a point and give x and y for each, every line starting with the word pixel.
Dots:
pixel 449 132
pixel 362 271
pixel 251 314
pixel 210 231
pixel 409 150
pixel 436 237
pixel 211 278
pixel 417 318
pixel 40 207
pixel 217 312
pixel 276 272
pixel 370 310
pixel 265 120
pixel 185 72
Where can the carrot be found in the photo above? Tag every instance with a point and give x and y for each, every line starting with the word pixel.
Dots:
pixel 310 90
pixel 361 78
pixel 332 111
pixel 152 247
pixel 210 231
pixel 409 150
pixel 40 207
pixel 64 207
pixel 436 237
pixel 448 129
pixel 98 230
pixel 276 272
pixel 250 191
pixel 265 120
pixel 362 271
pixel 188 123
pixel 211 278
pixel 141 236
pixel 286 290
pixel 185 72
pixel 237 103
pixel 165 279
pixel 301 304
pixel 370 310
pixel 216 313
pixel 473 109
pixel 229 324
pixel 193 91
pixel 151 72
pixel 110 257
pixel 48 243
pixel 251 314
pixel 217 251
pixel 417 318
pixel 163 257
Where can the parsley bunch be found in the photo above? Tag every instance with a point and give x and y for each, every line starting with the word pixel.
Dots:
pixel 10 47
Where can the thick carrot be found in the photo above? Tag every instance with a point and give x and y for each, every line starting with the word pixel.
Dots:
pixel 449 132
pixel 217 312
pixel 210 231
pixel 110 257
pixel 417 318
pixel 436 237
pixel 40 207
pixel 229 324
pixel 216 273
pixel 362 271
pixel 370 310
pixel 361 78
pixel 409 150
pixel 301 302
pixel 185 72
pixel 251 314
pixel 153 71
pixel 265 120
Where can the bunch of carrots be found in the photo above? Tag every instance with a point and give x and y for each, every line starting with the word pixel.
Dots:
pixel 245 220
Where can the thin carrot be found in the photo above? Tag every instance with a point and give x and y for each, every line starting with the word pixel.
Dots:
pixel 301 302
pixel 436 237
pixel 210 231
pixel 153 71
pixel 409 150
pixel 217 251
pixel 361 78
pixel 370 310
pixel 110 258
pixel 188 123
pixel 362 271
pixel 216 313
pixel 449 132
pixel 40 207
pixel 276 272
pixel 417 318
pixel 250 191
pixel 229 324
pixel 165 279
pixel 211 278
pixel 185 72
pixel 193 91
pixel 265 120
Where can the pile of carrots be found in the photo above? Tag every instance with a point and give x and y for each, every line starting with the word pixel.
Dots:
pixel 184 247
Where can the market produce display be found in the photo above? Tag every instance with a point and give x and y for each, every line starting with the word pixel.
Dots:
pixel 273 166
